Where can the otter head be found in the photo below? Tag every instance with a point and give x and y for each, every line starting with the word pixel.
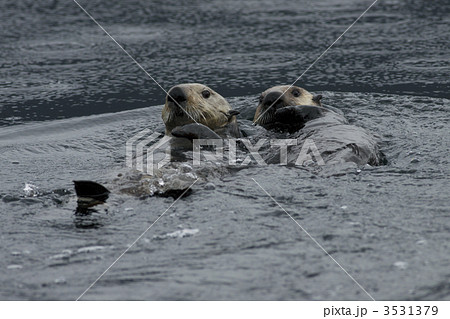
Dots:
pixel 196 103
pixel 272 99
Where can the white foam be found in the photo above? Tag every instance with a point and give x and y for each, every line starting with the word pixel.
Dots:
pixel 31 190
pixel 14 267
pixel 90 249
pixel 178 234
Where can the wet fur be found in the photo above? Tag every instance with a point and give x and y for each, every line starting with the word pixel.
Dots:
pixel 305 98
pixel 304 118
pixel 213 112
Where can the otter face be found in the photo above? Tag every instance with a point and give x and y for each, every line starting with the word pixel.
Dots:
pixel 273 99
pixel 193 102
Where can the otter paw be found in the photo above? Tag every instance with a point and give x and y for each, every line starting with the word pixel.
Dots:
pixel 195 131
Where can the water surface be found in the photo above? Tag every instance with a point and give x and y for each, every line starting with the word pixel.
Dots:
pixel 70 98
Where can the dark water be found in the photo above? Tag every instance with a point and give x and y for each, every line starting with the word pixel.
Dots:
pixel 388 226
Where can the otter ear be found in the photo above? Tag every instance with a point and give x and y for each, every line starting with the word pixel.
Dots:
pixel 317 99
pixel 232 113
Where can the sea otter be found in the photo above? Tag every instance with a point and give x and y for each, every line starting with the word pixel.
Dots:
pixel 295 111
pixel 191 111
pixel 271 114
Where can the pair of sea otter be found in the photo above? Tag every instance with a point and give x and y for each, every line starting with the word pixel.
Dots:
pixel 195 111
pixel 279 109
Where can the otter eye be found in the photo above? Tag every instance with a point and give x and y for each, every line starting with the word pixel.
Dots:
pixel 206 94
pixel 296 93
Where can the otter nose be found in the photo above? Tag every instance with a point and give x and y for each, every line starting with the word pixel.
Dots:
pixel 272 97
pixel 176 94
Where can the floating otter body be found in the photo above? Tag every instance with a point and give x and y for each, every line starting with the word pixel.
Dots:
pixel 294 110
pixel 191 111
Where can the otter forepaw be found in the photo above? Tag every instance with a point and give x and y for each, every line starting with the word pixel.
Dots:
pixel 289 114
pixel 195 131
pixel 297 116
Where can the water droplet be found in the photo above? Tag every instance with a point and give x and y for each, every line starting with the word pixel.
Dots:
pixel 31 190
pixel 210 186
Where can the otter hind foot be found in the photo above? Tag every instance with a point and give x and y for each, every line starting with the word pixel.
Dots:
pixel 91 190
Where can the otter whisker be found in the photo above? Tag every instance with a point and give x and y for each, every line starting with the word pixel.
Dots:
pixel 195 113
pixel 203 116
pixel 265 118
pixel 198 114
pixel 171 115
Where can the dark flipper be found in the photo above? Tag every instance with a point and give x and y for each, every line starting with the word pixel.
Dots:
pixel 194 132
pixel 91 190
pixel 89 194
